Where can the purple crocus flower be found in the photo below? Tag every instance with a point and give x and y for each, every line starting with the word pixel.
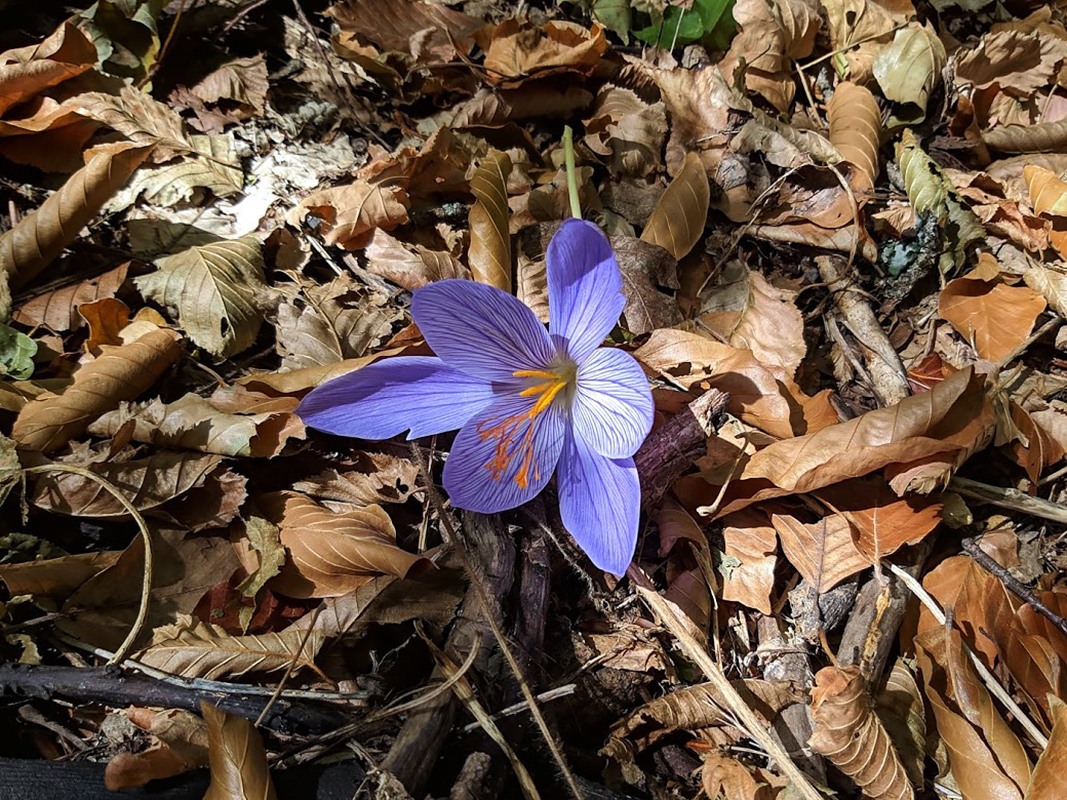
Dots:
pixel 527 402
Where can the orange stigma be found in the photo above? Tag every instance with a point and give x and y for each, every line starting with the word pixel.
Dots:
pixel 514 435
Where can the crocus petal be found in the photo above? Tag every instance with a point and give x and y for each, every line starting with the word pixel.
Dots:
pixel 600 503
pixel 475 476
pixel 585 295
pixel 387 397
pixel 480 330
pixel 613 403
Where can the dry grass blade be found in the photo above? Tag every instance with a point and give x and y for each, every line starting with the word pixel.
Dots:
pixel 194 649
pixel 678 221
pixel 490 249
pixel 40 237
pixel 121 373
pixel 237 757
pixel 852 737
pixel 855 130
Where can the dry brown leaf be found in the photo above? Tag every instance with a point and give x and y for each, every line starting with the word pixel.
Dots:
pixel 181 745
pixel 647 271
pixel 1048 194
pixel 860 29
pixel 54 577
pixel 626 131
pixel 855 130
pixel 364 479
pixel 952 421
pixel 852 737
pixel 682 211
pixel 1047 781
pixel 243 80
pixel 882 522
pixel 516 49
pixel 350 214
pixel 106 318
pixel 995 317
pixel 41 235
pixel 822 552
pixel 330 553
pixel 754 543
pixel 193 423
pixel 762 395
pixel 490 249
pixel 910 67
pixel 410 266
pixel 213 289
pixel 194 649
pixel 119 373
pixel 322 324
pixel 901 708
pixel 237 757
pixel 28 70
pixel 1016 61
pixel 766 321
pixel 58 309
pixel 987 759
pixel 427 31
pixel 140 118
pixel 1050 283
pixel 729 779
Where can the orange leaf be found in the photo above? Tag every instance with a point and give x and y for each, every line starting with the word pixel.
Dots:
pixel 750 540
pixel 995 317
pixel 1047 780
pixel 822 551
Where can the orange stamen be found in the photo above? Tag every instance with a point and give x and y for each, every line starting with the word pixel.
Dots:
pixel 506 432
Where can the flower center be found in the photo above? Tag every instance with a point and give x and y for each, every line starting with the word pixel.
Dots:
pixel 514 435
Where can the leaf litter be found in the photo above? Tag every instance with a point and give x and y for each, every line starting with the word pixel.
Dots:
pixel 819 209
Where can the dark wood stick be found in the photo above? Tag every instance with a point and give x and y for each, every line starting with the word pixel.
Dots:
pixel 110 686
pixel 1014 584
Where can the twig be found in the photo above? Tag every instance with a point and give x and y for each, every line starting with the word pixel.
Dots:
pixel 749 722
pixel 289 669
pixel 1010 498
pixel 988 679
pixel 1049 326
pixel 146 582
pixel 1013 583
pixel 487 606
pixel 544 697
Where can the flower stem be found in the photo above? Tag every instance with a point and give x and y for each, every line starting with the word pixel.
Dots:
pixel 572 180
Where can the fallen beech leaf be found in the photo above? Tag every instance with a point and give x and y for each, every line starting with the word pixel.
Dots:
pixel 367 479
pixel 300 380
pixel 647 270
pixel 766 322
pixel 855 130
pixel 428 31
pixel 350 214
pixel 762 395
pixel 754 543
pixel 910 67
pixel 242 80
pixel 1047 781
pixel 852 737
pixel 54 577
pixel 237 757
pixel 682 211
pixel 410 266
pixel 953 419
pixel 490 249
pixel 27 70
pixel 727 778
pixel 822 552
pixel 194 649
pixel 140 118
pixel 995 317
pixel 106 318
pixel 1016 61
pixel 626 131
pixel 987 759
pixel 330 553
pixel 1044 137
pixel 58 309
pixel 882 522
pixel 212 288
pixel 193 423
pixel 119 373
pixel 42 234
pixel 182 745
pixel 1048 194
pixel 322 324
pixel 517 49
pixel 901 708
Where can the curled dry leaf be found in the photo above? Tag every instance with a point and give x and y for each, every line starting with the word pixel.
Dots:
pixel 516 49
pixel 852 737
pixel 367 479
pixel 424 30
pixel 822 552
pixel 1044 137
pixel 952 420
pixel 682 211
pixel 237 757
pixel 194 649
pixel 626 131
pixel 349 215
pixel 1048 194
pixel 54 577
pixel 901 708
pixel 649 280
pixel 212 288
pixel 120 373
pixel 1047 781
pixel 193 423
pixel 995 317
pixel 42 234
pixel 26 71
pixel 987 759
pixel 330 553
pixel 410 266
pixel 490 248
pixel 855 130
pixel 727 778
